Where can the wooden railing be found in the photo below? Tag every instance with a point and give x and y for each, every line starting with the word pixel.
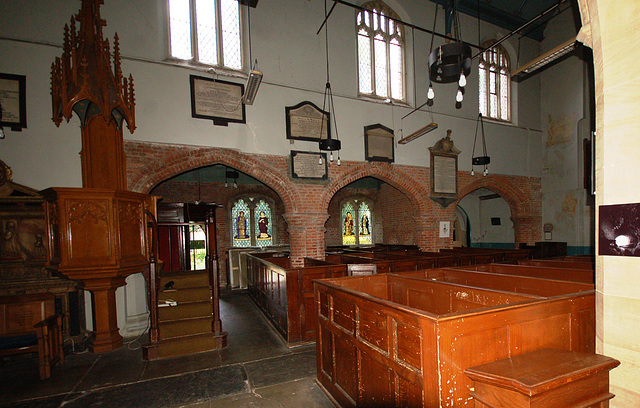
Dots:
pixel 151 276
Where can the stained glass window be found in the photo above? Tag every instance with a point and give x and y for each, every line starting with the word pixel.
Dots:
pixel 241 224
pixel 252 222
pixel 263 224
pixel 365 224
pixel 348 226
pixel 380 52
pixel 357 225
pixel 206 31
pixel 494 72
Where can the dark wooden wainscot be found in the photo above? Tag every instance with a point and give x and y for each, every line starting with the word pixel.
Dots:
pixel 285 294
pixel 394 340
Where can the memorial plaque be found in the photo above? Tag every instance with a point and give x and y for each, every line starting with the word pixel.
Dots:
pixel 444 174
pixel 220 101
pixel 306 121
pixel 444 171
pixel 13 101
pixel 306 165
pixel 378 143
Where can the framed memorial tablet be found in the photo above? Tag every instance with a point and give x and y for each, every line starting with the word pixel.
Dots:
pixel 444 171
pixel 13 101
pixel 217 100
pixel 378 143
pixel 307 165
pixel 305 121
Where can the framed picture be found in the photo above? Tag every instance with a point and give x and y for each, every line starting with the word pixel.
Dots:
pixel 309 165
pixel 378 143
pixel 619 230
pixel 13 101
pixel 217 100
pixel 305 121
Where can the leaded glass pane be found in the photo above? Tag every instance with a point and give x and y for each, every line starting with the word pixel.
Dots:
pixel 482 86
pixel 492 81
pixel 504 98
pixel 365 233
pixel 231 50
pixel 380 61
pixel 348 229
pixel 376 18
pixel 263 226
pixel 493 103
pixel 364 62
pixel 241 222
pixel 395 61
pixel 206 29
pixel 180 27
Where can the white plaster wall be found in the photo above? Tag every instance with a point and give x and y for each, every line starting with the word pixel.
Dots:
pixel 480 213
pixel 292 57
pixel 565 121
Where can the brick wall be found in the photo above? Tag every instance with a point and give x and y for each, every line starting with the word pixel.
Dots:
pixel 311 210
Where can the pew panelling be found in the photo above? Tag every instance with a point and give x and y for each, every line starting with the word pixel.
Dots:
pixel 394 340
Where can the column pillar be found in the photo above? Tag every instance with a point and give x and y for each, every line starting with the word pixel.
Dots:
pixel 306 236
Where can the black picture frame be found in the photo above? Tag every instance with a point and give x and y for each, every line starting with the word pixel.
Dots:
pixel 13 99
pixel 217 100
pixel 302 122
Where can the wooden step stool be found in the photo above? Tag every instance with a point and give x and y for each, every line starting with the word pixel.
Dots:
pixel 544 378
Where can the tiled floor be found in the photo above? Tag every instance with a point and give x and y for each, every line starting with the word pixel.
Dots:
pixel 256 369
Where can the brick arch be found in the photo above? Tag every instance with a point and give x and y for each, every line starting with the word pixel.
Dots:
pixel 392 175
pixel 149 164
pixel 516 198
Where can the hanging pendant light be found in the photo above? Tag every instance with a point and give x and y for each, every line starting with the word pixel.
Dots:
pixel 329 144
pixel 483 160
pixel 450 62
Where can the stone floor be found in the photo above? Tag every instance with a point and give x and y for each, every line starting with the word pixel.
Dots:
pixel 256 369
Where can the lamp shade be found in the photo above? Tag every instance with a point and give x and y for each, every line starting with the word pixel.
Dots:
pixel 330 144
pixel 448 61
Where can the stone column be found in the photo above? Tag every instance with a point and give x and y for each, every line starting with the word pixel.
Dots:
pixel 306 236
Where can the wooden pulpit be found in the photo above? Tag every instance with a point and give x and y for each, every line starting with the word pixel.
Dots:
pixel 97 233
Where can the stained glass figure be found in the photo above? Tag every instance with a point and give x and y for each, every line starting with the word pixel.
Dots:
pixel 241 230
pixel 263 224
pixel 364 236
pixel 348 233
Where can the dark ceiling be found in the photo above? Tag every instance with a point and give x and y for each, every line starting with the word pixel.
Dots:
pixel 511 14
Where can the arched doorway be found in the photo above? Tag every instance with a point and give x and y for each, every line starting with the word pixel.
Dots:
pixel 483 220
pixel 236 192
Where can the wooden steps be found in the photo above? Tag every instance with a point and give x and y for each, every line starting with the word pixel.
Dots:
pixel 185 328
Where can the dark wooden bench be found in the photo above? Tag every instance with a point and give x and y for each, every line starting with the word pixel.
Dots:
pixel 28 324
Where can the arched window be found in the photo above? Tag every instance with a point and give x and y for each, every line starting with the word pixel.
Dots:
pixel 380 52
pixel 357 223
pixel 252 222
pixel 494 75
pixel 206 31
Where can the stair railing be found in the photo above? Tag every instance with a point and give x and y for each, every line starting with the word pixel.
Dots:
pixel 213 268
pixel 150 351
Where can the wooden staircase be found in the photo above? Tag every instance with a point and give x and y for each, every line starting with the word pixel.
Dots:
pixel 186 328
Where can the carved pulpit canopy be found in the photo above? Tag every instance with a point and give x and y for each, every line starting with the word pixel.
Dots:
pixel 444 171
pixel 82 79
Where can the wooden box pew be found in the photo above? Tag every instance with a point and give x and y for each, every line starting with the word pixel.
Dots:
pixel 395 340
pixel 285 294
pixel 496 281
pixel 575 275
pixel 551 263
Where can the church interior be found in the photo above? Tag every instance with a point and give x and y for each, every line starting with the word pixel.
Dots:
pixel 323 203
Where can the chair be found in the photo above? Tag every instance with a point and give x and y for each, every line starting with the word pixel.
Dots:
pixel 28 324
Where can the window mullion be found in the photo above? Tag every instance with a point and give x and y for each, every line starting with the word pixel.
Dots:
pixel 219 33
pixel 194 31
